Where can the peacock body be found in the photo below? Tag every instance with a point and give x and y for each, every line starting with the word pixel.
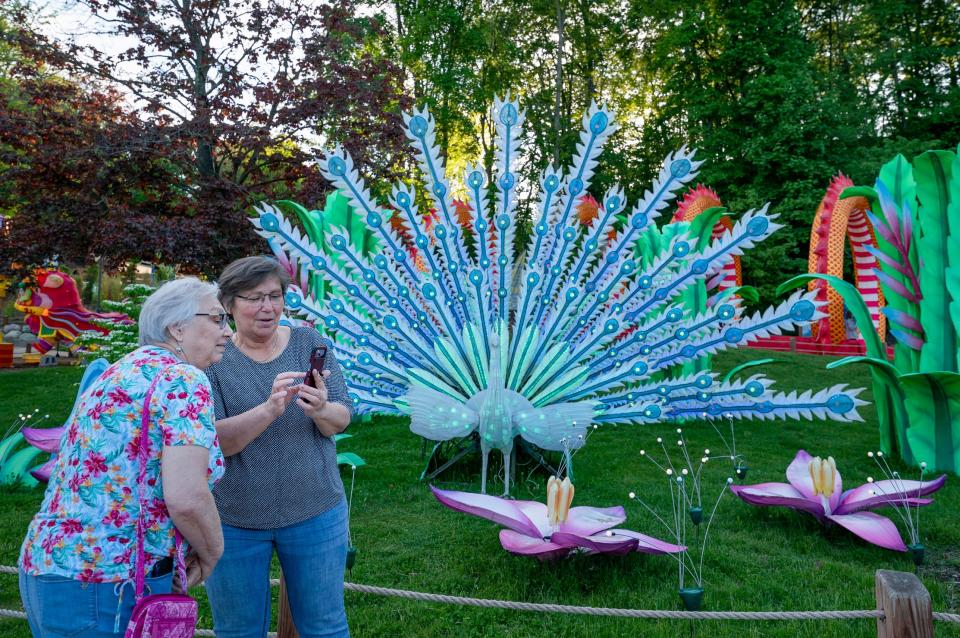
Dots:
pixel 476 334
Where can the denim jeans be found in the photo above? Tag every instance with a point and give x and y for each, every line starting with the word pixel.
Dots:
pixel 313 557
pixel 59 607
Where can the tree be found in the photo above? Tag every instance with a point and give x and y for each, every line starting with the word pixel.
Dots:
pixel 912 66
pixel 240 91
pixel 81 177
pixel 737 82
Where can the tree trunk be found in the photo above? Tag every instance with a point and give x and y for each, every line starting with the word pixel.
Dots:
pixel 558 98
pixel 203 128
pixel 591 47
pixel 205 159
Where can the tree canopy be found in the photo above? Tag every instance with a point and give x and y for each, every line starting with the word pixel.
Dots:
pixel 210 106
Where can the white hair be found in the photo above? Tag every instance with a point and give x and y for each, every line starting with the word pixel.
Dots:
pixel 174 303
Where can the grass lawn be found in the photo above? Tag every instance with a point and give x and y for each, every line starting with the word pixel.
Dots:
pixel 758 559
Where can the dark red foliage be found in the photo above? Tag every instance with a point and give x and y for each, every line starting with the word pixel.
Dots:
pixel 228 98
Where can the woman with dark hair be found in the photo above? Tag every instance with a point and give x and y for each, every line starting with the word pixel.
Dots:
pixel 78 555
pixel 282 489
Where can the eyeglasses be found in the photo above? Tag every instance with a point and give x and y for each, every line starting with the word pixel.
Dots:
pixel 219 318
pixel 275 299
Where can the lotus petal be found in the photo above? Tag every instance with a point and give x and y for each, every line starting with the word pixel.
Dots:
pixel 536 512
pixel 798 474
pixel 779 494
pixel 517 543
pixel 586 521
pixel 43 472
pixel 605 543
pixel 46 439
pixel 872 528
pixel 649 544
pixel 492 508
pixel 879 493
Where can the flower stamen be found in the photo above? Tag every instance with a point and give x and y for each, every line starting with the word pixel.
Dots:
pixel 824 474
pixel 559 498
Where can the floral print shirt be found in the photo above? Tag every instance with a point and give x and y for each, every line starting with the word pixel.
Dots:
pixel 86 526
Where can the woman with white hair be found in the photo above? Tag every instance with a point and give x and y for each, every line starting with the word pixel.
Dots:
pixel 79 552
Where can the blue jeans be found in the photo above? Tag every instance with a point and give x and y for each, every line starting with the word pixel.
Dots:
pixel 313 557
pixel 59 607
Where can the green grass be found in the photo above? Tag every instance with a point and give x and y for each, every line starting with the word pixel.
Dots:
pixel 758 559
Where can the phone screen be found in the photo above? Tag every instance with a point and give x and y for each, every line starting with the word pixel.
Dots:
pixel 317 358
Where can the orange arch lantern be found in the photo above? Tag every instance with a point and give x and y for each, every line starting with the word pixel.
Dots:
pixel 838 220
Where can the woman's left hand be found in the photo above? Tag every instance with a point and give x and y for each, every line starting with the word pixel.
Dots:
pixel 314 400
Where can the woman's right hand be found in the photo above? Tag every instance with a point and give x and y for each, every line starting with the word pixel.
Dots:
pixel 186 493
pixel 284 390
pixel 197 572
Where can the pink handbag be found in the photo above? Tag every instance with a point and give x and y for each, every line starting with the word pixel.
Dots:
pixel 157 615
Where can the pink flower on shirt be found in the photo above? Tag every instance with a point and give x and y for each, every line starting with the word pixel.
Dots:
pixel 191 410
pixel 116 517
pixel 95 464
pixel 120 397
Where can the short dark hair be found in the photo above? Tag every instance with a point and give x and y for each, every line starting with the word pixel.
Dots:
pixel 249 272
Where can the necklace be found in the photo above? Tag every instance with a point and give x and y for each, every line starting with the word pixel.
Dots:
pixel 270 355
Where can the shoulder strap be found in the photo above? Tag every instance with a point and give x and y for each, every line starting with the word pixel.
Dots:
pixel 143 456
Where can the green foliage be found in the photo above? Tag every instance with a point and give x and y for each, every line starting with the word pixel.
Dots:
pixel 347 458
pixel 121 339
pixel 336 217
pixel 15 470
pixel 933 403
pixel 737 68
pixel 933 173
pixel 777 95
pixel 916 209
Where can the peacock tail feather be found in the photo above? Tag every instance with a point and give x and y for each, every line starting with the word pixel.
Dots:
pixel 583 325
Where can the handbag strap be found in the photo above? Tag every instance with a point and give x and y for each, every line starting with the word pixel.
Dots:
pixel 143 456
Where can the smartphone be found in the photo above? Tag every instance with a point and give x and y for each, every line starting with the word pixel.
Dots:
pixel 317 358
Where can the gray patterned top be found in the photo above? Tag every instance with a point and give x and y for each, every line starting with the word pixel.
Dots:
pixel 289 473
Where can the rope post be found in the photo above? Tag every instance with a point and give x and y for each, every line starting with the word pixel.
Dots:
pixel 285 626
pixel 905 603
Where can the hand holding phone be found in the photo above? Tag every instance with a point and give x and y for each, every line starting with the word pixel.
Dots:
pixel 317 359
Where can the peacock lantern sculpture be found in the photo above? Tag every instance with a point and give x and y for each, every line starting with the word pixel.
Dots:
pixel 479 335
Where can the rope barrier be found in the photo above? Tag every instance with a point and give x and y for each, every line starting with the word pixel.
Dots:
pixel 942 617
pixel 12 613
pixel 628 613
pixel 573 609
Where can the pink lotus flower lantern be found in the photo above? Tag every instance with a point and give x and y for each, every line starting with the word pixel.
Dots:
pixel 814 486
pixel 553 530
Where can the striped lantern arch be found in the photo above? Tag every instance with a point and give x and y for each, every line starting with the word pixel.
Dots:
pixel 838 220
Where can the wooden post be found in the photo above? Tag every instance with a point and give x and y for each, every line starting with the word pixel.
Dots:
pixel 905 603
pixel 285 626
